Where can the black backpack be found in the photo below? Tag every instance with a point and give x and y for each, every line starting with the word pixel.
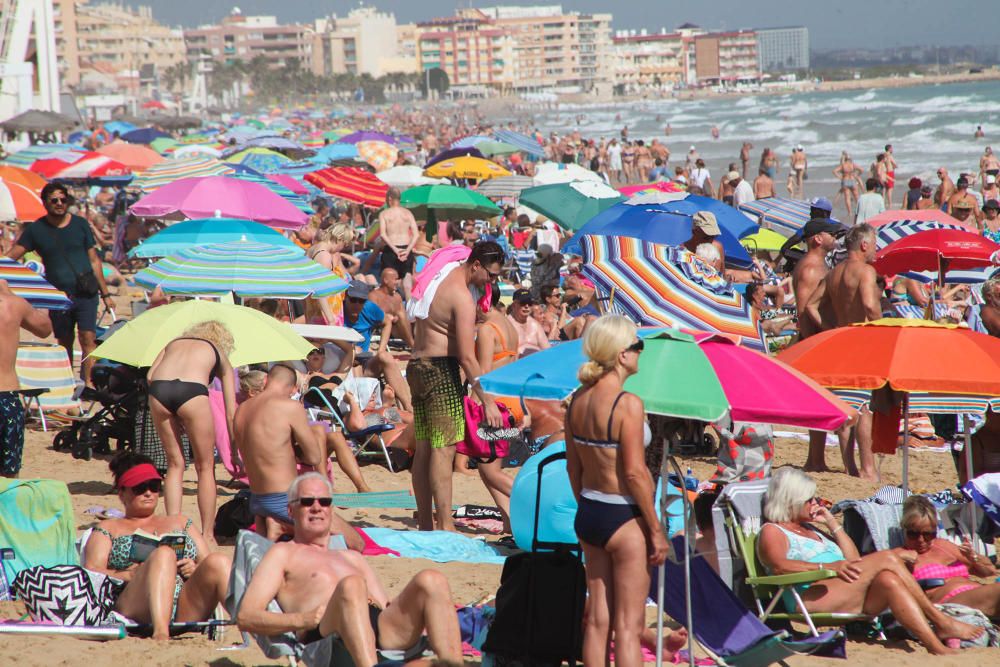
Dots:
pixel 234 515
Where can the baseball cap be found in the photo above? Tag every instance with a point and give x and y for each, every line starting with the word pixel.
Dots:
pixel 821 203
pixel 706 221
pixel 799 148
pixel 993 204
pixel 818 226
pixel 962 203
pixel 523 296
pixel 358 290
pixel 733 175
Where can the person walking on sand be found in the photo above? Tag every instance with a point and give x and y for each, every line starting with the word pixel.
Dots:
pixel 799 163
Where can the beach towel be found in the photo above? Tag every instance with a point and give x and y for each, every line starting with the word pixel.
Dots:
pixel 37 522
pixel 873 526
pixel 437 261
pixel 41 365
pixel 418 308
pixel 985 492
pixel 746 499
pixel 402 500
pixel 439 546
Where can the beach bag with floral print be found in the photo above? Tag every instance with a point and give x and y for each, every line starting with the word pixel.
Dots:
pixel 745 453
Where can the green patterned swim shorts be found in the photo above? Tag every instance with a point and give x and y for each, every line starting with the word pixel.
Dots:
pixel 437 391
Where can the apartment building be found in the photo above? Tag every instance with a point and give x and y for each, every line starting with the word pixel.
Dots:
pixel 366 41
pixel 470 48
pixel 242 38
pixel 781 49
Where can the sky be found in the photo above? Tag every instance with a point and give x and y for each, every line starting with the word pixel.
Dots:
pixel 832 23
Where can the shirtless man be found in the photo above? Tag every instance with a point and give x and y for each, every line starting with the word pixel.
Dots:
pixel 15 314
pixel 390 301
pixel 946 189
pixel 799 163
pixel 763 185
pixel 989 165
pixel 660 151
pixel 745 156
pixel 444 343
pixel 335 593
pixel 398 230
pixel 807 277
pixel 963 199
pixel 265 428
pixel 852 292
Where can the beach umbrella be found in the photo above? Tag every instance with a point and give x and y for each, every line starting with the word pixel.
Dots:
pixel 242 268
pixel 134 156
pixel 570 205
pixel 289 182
pixel 195 151
pixel 785 216
pixel 379 154
pixel 446 202
pixel 689 375
pixel 470 141
pixel 20 176
pixel 453 153
pixel 505 187
pixel 548 173
pixel 334 152
pixel 145 135
pixel 904 355
pixel 122 127
pixel 649 188
pixel 208 231
pixel 937 249
pixel 258 338
pixel 263 160
pixel 90 167
pixel 350 183
pixel 32 287
pixel 661 285
pixel 466 167
pixel 522 141
pixel 25 157
pixel 765 239
pixel 366 135
pixel 298 201
pixel 663 224
pixel 275 144
pixel 218 196
pixel 336 133
pixel 175 169
pixel 891 232
pixel 19 202
pixel 164 145
pixel 407 176
pixel 154 104
pixel 925 215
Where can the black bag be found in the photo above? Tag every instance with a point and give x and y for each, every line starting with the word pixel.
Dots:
pixel 539 617
pixel 86 285
pixel 234 515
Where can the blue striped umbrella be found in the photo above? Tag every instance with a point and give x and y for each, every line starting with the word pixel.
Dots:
pixel 208 231
pixel 243 268
pixel 522 141
pixel 785 216
pixel 898 229
pixel 26 157
pixel 29 285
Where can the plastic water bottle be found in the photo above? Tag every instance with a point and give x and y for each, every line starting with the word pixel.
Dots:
pixel 690 481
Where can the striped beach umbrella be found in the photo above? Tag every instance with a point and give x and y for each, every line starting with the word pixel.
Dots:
pixel 661 285
pixel 263 160
pixel 649 188
pixel 899 229
pixel 243 268
pixel 351 183
pixel 208 231
pixel 505 187
pixel 18 202
pixel 169 171
pixel 925 215
pixel 25 157
pixel 21 176
pixel 279 189
pixel 28 285
pixel 522 141
pixel 785 216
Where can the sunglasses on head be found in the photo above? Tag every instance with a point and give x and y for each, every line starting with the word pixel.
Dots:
pixel 637 346
pixel 153 485
pixel 307 501
pixel 916 534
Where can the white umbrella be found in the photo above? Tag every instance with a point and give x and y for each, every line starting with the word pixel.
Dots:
pixel 548 173
pixel 407 176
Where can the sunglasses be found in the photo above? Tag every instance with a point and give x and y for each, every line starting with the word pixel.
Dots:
pixel 637 346
pixel 354 299
pixel 307 501
pixel 154 485
pixel 56 200
pixel 916 534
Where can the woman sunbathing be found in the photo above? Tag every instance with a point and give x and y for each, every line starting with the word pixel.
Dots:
pixel 162 583
pixel 943 568
pixel 790 543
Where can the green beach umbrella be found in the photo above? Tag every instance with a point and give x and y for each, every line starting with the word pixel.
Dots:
pixel 572 204
pixel 496 148
pixel 163 144
pixel 433 202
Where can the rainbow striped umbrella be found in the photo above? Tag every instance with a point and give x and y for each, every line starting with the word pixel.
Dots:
pixel 28 285
pixel 299 201
pixel 662 285
pixel 169 171
pixel 25 157
pixel 785 216
pixel 243 268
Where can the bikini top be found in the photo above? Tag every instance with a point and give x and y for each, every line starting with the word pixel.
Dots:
pixel 809 550
pixel 505 352
pixel 609 443
pixel 218 359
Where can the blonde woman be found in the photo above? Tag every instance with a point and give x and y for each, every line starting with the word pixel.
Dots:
pixel 178 401
pixel 328 249
pixel 606 435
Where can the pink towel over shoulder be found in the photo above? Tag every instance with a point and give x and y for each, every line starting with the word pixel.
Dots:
pixel 438 259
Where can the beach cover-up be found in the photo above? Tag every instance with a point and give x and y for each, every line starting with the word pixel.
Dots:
pixel 37 522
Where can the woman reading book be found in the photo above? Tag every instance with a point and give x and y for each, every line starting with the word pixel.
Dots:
pixel 168 570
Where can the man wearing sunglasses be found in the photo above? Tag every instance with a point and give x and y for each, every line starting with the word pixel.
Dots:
pixel 444 344
pixel 69 253
pixel 329 595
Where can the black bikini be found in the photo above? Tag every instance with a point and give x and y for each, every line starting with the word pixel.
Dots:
pixel 172 394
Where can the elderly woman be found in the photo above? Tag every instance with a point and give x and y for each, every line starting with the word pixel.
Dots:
pixel 791 543
pixel 943 568
pixel 161 583
pixel 606 436
pixel 178 401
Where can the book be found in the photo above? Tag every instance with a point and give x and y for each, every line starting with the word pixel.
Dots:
pixel 143 544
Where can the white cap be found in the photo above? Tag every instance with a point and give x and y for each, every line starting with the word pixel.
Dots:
pixel 692 147
pixel 990 178
pixel 799 148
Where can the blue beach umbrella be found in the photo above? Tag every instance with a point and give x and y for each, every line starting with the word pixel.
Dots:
pixel 209 231
pixel 145 135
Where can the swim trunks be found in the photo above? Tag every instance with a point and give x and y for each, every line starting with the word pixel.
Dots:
pixel 11 433
pixel 274 505
pixel 437 392
pixel 890 179
pixel 391 261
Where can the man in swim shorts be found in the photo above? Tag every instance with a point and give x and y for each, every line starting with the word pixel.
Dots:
pixel 398 230
pixel 273 436
pixel 15 314
pixel 444 343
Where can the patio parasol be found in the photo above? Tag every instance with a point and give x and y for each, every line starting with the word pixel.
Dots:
pixel 208 231
pixel 29 285
pixel 218 196
pixel 134 156
pixel 785 216
pixel 243 268
pixel 522 141
pixel 18 202
pixel 350 183
pixel 407 176
pixel 476 168
pixel 505 187
pixel 175 169
pixel 34 120
pixel 445 202
pixel 570 205
pixel 379 154
pixel 661 285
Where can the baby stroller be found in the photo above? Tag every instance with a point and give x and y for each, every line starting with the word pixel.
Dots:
pixel 120 390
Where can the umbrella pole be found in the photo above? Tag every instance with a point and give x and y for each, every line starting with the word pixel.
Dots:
pixel 906 445
pixel 968 473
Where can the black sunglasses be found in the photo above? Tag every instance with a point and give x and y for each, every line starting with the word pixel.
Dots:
pixel 56 200
pixel 154 485
pixel 926 534
pixel 637 346
pixel 307 501
pixel 354 299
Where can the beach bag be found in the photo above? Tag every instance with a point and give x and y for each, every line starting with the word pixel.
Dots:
pixel 990 637
pixel 745 453
pixel 485 444
pixel 234 516
pixel 67 594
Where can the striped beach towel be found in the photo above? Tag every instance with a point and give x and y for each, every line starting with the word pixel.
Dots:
pixel 42 365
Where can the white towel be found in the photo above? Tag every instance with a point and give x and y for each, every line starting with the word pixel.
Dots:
pixel 419 309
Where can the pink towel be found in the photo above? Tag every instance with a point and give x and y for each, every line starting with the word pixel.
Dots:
pixel 372 549
pixel 438 259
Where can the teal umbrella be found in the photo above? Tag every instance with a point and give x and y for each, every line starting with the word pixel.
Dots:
pixel 208 231
pixel 496 148
pixel 572 204
pixel 447 202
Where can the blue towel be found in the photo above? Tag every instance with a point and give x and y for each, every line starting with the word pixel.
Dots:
pixel 37 521
pixel 439 546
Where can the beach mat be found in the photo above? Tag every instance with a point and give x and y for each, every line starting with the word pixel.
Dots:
pixel 439 546
pixel 378 499
pixel 37 522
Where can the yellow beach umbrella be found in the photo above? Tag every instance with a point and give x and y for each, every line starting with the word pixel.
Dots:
pixel 765 239
pixel 467 166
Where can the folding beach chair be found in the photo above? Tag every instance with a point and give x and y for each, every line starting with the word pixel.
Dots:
pixel 46 379
pixel 365 439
